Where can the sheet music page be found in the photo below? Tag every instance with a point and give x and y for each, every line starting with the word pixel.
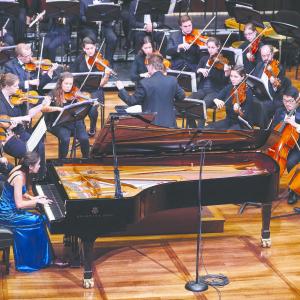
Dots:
pixel 37 135
pixel 134 109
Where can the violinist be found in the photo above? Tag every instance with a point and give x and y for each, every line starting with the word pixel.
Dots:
pixel 63 132
pixel 27 78
pixel 146 25
pixel 238 101
pixel 82 64
pixel 87 29
pixel 17 134
pixel 271 73
pixel 253 43
pixel 289 100
pixel 155 94
pixel 214 71
pixel 138 67
pixel 183 55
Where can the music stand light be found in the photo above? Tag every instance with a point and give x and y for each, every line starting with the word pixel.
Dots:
pixel 103 12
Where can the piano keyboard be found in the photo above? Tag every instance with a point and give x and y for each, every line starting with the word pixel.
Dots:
pixel 55 210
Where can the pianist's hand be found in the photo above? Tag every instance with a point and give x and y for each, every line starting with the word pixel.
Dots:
pixel 42 200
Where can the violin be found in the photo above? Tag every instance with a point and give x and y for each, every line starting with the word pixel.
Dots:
pixel 98 61
pixel 288 139
pixel 20 97
pixel 272 70
pixel 76 94
pixel 239 93
pixel 253 48
pixel 45 65
pixel 195 37
pixel 218 61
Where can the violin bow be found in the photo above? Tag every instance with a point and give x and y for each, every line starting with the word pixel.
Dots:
pixel 161 43
pixel 255 38
pixel 91 68
pixel 195 39
pixel 219 52
pixel 40 59
pixel 5 24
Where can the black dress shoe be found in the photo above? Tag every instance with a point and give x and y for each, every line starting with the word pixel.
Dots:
pixel 293 198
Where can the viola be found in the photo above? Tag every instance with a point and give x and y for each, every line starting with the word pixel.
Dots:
pixel 21 97
pixel 76 94
pixel 195 37
pixel 239 93
pixel 218 61
pixel 288 139
pixel 272 70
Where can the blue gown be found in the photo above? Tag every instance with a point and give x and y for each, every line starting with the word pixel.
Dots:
pixel 32 249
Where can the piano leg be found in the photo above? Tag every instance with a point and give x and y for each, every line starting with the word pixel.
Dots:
pixel 265 232
pixel 87 259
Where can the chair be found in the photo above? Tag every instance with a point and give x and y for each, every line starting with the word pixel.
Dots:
pixel 6 240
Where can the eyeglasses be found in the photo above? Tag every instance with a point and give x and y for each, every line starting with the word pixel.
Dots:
pixel 289 100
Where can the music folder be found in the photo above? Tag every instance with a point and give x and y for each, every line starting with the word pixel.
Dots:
pixel 258 87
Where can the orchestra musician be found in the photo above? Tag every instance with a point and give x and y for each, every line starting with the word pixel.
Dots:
pixel 271 73
pixel 17 134
pixel 290 100
pixel 138 67
pixel 32 248
pixel 89 30
pixel 253 43
pixel 183 55
pixel 147 25
pixel 214 73
pixel 63 132
pixel 238 101
pixel 81 64
pixel 155 94
pixel 6 34
pixel 27 78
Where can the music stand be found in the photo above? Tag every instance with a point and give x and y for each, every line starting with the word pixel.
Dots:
pixel 244 15
pixel 187 80
pixel 191 109
pixel 9 8
pixel 103 12
pixel 231 5
pixel 73 113
pixel 258 88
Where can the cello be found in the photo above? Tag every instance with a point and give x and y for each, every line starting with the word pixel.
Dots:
pixel 289 136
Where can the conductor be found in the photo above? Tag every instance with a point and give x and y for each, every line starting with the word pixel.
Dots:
pixel 155 94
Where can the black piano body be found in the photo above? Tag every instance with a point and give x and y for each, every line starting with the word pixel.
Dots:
pixel 234 172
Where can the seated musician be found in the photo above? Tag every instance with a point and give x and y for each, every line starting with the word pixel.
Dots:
pixel 238 101
pixel 83 63
pixel 253 43
pixel 17 134
pixel 183 56
pixel 214 71
pixel 290 98
pixel 27 78
pixel 146 25
pixel 63 132
pixel 138 67
pixel 155 94
pixel 271 73
pixel 88 29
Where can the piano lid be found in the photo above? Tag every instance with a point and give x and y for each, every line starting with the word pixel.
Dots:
pixel 134 134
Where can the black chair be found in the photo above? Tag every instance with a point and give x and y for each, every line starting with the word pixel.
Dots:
pixel 6 240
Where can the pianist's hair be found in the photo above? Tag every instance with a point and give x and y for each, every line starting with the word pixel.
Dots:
pixel 58 93
pixel 8 79
pixel 29 159
pixel 156 60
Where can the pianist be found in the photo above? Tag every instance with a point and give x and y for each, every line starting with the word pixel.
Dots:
pixel 32 248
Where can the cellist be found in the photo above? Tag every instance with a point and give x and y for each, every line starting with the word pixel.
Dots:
pixel 289 101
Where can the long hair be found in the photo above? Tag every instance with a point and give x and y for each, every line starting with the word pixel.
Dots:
pixel 147 39
pixel 58 93
pixel 8 79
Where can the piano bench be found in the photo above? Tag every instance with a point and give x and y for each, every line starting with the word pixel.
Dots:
pixel 6 240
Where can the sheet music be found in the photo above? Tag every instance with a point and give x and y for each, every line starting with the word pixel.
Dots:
pixel 37 135
pixel 262 82
pixel 134 109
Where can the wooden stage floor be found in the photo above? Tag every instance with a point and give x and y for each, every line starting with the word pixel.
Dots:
pixel 158 267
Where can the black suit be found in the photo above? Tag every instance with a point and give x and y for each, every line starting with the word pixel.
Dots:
pixel 156 95
pixel 189 58
pixel 13 66
pixel 138 67
pixel 250 65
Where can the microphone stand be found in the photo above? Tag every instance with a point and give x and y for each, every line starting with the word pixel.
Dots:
pixel 199 285
pixel 118 191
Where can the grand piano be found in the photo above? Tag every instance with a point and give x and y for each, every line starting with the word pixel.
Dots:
pixel 154 169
